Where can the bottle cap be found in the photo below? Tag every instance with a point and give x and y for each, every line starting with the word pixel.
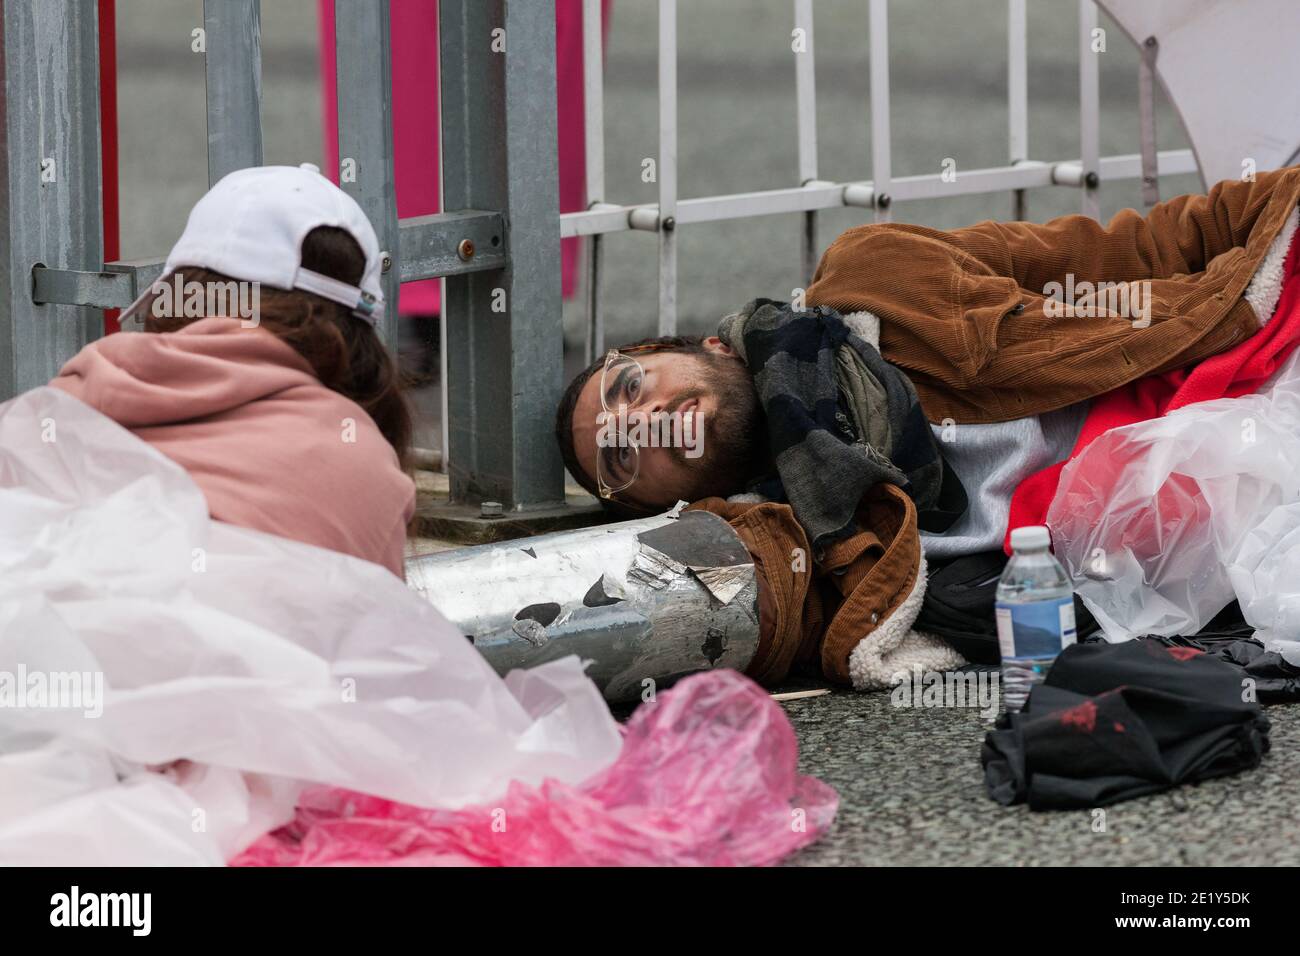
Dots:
pixel 1030 536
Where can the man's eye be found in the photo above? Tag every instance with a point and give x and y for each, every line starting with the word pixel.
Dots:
pixel 625 458
pixel 633 387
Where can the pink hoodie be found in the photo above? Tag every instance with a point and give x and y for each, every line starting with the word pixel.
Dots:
pixel 269 445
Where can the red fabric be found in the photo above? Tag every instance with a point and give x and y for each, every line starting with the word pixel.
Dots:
pixel 1239 371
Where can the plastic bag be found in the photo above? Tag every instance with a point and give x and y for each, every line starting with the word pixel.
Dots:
pixel 707 776
pixel 1266 577
pixel 237 668
pixel 234 667
pixel 1163 523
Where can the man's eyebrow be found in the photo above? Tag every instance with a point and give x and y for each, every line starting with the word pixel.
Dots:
pixel 617 387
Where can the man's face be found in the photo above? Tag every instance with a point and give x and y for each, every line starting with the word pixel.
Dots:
pixel 707 399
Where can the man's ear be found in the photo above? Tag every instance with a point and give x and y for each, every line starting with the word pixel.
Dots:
pixel 715 344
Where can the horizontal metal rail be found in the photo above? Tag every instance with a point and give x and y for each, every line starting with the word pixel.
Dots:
pixel 1030 174
pixel 436 245
pixel 457 243
pixel 444 244
pixel 116 287
pixel 450 244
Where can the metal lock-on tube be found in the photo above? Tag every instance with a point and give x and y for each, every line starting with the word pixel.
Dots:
pixel 646 600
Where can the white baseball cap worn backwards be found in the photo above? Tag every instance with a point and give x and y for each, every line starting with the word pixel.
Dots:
pixel 250 226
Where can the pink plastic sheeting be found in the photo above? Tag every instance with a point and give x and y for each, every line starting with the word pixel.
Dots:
pixel 707 776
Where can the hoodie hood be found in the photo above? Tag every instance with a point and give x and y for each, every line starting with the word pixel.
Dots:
pixel 206 368
pixel 270 446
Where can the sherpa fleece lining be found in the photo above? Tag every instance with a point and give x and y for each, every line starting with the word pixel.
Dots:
pixel 1265 287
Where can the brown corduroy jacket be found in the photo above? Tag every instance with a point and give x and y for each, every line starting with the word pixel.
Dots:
pixel 949 305
pixel 965 312
pixel 813 613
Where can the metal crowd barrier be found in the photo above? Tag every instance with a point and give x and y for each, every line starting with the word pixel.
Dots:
pixel 497 245
pixel 878 194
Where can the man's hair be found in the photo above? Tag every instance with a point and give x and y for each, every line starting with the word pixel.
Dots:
pixel 690 344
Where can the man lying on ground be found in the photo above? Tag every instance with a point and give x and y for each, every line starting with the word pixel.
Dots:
pixel 948 365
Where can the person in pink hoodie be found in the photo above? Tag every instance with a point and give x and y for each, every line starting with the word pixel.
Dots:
pixel 259 370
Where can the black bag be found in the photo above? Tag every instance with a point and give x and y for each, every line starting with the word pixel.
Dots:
pixel 1230 639
pixel 958 606
pixel 1116 721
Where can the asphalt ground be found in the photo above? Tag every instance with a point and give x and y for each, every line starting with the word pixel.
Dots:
pixel 912 794
pixel 909 779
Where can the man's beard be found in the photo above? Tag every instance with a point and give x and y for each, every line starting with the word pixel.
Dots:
pixel 734 443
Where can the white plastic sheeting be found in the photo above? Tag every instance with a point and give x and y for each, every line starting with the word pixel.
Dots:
pixel 1229 69
pixel 1163 523
pixel 235 667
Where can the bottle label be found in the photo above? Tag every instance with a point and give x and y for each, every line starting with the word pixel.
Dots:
pixel 1036 629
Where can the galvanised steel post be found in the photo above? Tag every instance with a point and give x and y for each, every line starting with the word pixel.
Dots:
pixel 50 211
pixel 233 70
pixel 505 327
pixel 640 602
pixel 365 100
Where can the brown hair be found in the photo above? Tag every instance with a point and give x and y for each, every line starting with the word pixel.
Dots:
pixel 569 401
pixel 344 352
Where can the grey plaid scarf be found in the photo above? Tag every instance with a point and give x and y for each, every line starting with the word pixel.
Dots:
pixel 840 419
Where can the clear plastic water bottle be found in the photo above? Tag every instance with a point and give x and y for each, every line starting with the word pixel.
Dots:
pixel 1035 614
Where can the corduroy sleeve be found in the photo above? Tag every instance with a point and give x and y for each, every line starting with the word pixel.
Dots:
pixel 1177 237
pixel 788 619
